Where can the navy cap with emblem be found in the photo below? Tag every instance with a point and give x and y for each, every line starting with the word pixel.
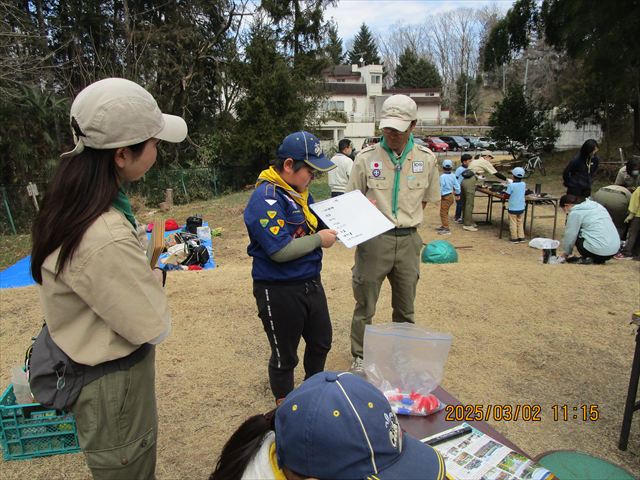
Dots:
pixel 305 146
pixel 337 425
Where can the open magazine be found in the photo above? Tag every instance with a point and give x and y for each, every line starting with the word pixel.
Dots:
pixel 477 456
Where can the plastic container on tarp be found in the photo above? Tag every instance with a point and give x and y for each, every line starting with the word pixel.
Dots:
pixel 401 359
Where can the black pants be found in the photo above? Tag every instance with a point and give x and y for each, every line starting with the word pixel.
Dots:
pixel 599 259
pixel 289 311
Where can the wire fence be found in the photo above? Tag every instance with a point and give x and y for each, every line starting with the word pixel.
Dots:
pixel 18 208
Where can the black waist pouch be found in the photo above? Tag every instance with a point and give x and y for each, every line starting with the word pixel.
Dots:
pixel 56 380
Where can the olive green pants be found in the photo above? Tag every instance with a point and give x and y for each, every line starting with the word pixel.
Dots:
pixel 385 256
pixel 118 423
pixel 468 188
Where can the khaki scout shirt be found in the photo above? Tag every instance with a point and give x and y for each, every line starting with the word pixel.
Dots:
pixel 373 174
pixel 480 166
pixel 107 301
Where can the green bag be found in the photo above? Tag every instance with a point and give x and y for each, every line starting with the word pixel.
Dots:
pixel 439 251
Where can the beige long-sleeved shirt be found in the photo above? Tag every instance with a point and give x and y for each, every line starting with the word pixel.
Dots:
pixel 107 301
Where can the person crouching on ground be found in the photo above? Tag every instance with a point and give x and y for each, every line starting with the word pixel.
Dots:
pixel 464 164
pixel 335 425
pixel 590 228
pixel 448 186
pixel 286 242
pixel 517 205
pixel 103 305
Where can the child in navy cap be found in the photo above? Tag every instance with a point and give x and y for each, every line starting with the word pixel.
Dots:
pixel 334 426
pixel 286 242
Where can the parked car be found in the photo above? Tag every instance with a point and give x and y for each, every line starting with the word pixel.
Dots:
pixel 370 141
pixel 456 143
pixel 489 143
pixel 420 141
pixel 436 144
pixel 479 143
pixel 473 141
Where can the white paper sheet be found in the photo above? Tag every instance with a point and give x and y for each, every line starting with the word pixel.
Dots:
pixel 353 216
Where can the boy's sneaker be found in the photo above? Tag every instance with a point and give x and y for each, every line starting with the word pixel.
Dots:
pixel 444 231
pixel 514 240
pixel 622 256
pixel 469 228
pixel 521 240
pixel 440 228
pixel 458 220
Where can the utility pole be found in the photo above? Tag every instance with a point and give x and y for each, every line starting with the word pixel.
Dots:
pixel 466 85
pixel 526 73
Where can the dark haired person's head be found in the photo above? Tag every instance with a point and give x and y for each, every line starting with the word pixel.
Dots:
pixel 633 166
pixel 588 149
pixel 465 159
pixel 116 125
pixel 344 146
pixel 568 200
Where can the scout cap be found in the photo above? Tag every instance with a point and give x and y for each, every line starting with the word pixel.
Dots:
pixel 486 153
pixel 305 146
pixel 338 425
pixel 518 172
pixel 447 164
pixel 398 111
pixel 115 112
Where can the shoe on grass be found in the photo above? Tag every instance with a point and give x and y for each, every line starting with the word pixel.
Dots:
pixel 469 228
pixel 444 231
pixel 622 256
pixel 357 366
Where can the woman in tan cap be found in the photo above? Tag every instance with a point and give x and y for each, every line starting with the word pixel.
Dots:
pixel 103 305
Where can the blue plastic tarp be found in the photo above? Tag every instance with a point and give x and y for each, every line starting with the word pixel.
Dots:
pixel 17 275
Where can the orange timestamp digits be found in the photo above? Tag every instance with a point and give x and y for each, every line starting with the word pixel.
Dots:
pixel 497 413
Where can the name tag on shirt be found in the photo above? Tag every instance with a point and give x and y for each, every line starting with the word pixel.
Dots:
pixel 417 167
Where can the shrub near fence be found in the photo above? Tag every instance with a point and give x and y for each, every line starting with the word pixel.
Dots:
pixel 17 210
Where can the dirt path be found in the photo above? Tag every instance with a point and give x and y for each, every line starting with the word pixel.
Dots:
pixel 524 333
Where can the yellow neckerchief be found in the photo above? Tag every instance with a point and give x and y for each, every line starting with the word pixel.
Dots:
pixel 272 176
pixel 273 460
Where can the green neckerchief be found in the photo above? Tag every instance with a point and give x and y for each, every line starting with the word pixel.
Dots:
pixel 398 162
pixel 122 204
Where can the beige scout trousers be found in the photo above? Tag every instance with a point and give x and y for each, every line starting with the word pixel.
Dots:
pixel 117 423
pixel 516 225
pixel 386 256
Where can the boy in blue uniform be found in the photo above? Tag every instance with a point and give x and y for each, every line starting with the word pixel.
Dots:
pixel 464 164
pixel 448 185
pixel 286 241
pixel 517 205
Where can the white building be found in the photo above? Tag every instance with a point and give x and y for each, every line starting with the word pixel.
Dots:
pixel 354 100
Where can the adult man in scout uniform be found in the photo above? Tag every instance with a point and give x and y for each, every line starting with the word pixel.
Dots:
pixel 400 177
pixel 480 166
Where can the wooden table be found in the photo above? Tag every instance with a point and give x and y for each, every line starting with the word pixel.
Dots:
pixel 421 427
pixel 631 405
pixel 530 200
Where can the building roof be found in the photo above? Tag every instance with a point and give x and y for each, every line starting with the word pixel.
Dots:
pixel 408 91
pixel 346 88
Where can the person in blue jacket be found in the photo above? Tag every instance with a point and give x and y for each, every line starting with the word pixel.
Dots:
pixel 590 229
pixel 286 241
pixel 449 191
pixel 579 172
pixel 515 192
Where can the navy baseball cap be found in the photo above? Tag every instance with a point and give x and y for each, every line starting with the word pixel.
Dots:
pixel 338 425
pixel 305 146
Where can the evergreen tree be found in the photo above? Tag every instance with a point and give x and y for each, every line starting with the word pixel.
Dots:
pixel 515 117
pixel 364 46
pixel 414 72
pixel 334 45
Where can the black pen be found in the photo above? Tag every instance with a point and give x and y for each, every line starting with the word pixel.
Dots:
pixel 458 432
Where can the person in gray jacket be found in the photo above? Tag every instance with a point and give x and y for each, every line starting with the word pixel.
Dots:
pixel 590 229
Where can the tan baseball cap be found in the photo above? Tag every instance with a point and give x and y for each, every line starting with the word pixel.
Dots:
pixel 486 153
pixel 398 111
pixel 115 112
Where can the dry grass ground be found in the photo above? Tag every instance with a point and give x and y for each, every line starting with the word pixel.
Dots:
pixel 524 333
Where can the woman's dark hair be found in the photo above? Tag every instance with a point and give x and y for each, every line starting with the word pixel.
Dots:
pixel 588 147
pixel 242 446
pixel 633 164
pixel 278 164
pixel 82 188
pixel 570 199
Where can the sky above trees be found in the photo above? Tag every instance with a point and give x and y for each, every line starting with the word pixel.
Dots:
pixel 380 15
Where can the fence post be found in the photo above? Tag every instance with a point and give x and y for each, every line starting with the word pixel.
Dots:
pixel 6 205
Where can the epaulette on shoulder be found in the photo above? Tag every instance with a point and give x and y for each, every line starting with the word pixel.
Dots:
pixel 424 149
pixel 367 149
pixel 269 190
